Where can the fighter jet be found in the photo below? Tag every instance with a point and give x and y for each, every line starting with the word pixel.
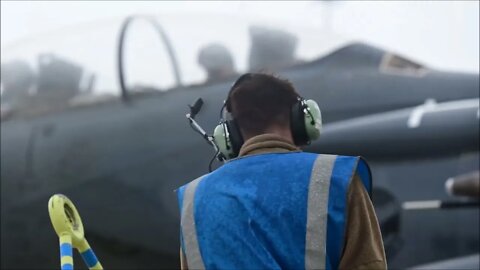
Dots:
pixel 121 158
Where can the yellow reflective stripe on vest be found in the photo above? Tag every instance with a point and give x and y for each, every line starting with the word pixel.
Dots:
pixel 317 211
pixel 192 250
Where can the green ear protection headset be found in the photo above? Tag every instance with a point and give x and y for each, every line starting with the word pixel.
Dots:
pixel 305 124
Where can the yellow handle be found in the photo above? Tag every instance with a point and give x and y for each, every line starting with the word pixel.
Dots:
pixel 68 225
pixel 65 218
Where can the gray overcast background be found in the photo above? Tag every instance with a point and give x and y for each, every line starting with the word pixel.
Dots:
pixel 442 34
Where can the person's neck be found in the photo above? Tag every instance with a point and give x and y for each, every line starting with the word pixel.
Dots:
pixel 286 134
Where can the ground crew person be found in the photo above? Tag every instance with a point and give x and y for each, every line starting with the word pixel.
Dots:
pixel 274 206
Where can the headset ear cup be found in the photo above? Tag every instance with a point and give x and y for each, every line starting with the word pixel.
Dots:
pixel 297 124
pixel 222 142
pixel 312 120
pixel 235 138
pixel 228 139
pixel 305 121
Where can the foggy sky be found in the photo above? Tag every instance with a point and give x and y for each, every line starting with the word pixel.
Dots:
pixel 440 34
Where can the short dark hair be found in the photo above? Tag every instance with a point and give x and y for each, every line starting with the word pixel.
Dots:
pixel 258 101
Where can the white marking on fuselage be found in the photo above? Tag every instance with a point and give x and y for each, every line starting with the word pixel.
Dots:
pixel 416 116
pixel 418 205
pixel 430 105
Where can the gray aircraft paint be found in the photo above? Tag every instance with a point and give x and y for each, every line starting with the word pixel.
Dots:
pixel 120 162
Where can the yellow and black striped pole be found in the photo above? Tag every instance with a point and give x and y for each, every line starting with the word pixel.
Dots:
pixel 68 225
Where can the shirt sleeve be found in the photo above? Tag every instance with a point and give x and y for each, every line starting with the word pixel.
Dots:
pixel 363 247
pixel 183 261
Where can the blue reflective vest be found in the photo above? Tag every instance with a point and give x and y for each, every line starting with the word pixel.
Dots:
pixel 269 211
